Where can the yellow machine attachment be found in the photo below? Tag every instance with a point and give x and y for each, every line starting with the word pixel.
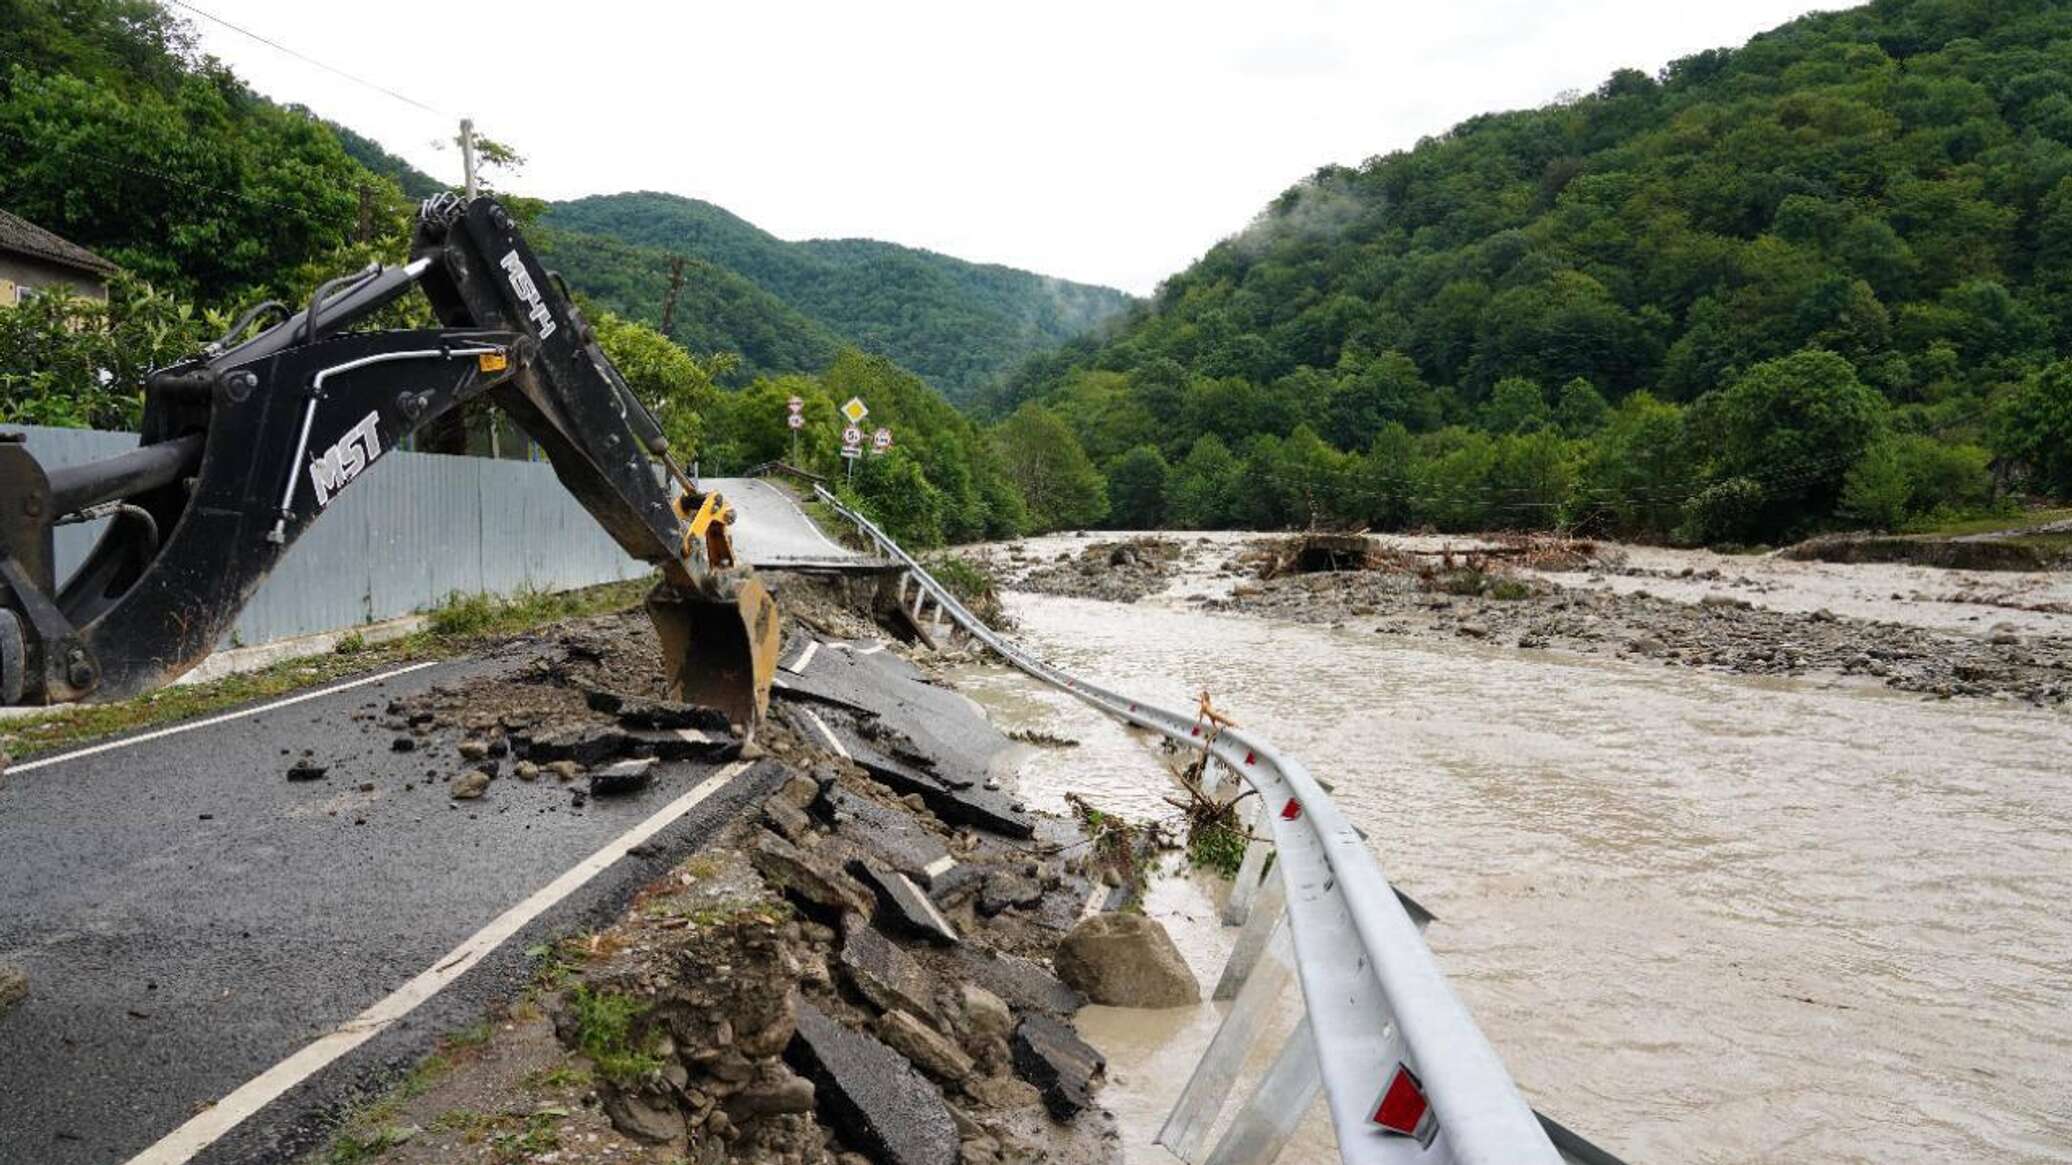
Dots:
pixel 716 621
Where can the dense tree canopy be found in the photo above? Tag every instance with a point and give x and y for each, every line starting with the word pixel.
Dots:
pixel 1889 187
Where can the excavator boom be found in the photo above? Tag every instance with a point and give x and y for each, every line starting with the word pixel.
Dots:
pixel 248 442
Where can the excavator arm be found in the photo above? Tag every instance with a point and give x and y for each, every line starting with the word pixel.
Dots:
pixel 247 443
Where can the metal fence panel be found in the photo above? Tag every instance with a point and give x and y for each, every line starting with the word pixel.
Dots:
pixel 400 539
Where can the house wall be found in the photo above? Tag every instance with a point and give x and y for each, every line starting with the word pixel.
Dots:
pixel 18 271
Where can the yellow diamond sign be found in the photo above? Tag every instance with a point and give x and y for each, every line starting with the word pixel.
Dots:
pixel 855 410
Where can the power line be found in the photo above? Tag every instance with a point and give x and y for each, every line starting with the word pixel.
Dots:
pixel 66 151
pixel 307 59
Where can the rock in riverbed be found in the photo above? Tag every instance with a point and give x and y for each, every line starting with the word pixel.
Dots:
pixel 1126 960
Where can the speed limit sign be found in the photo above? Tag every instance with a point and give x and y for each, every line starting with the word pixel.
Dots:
pixel 795 421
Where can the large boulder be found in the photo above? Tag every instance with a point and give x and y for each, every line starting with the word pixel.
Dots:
pixel 1125 960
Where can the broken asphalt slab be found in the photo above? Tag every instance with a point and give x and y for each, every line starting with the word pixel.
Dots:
pixel 878 1101
pixel 882 973
pixel 903 905
pixel 980 808
pixel 1023 983
pixel 944 726
pixel 1050 1055
pixel 889 835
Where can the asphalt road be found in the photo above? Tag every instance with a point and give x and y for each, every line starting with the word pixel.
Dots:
pixel 188 917
pixel 770 531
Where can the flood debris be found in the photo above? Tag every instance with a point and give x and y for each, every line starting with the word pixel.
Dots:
pixel 1509 600
pixel 1121 572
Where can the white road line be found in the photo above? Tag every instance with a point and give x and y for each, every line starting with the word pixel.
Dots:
pixel 797 667
pixel 197 1134
pixel 927 904
pixel 833 741
pixel 175 730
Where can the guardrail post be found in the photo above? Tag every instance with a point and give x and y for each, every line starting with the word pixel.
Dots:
pixel 1251 941
pixel 1194 1115
pixel 1246 884
pixel 1285 1095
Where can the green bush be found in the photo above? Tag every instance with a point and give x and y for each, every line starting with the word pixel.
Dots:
pixel 1725 511
pixel 1905 477
pixel 462 615
pixel 608 1031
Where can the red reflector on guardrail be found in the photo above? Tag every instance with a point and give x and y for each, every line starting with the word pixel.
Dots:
pixel 1291 810
pixel 1251 759
pixel 1403 1108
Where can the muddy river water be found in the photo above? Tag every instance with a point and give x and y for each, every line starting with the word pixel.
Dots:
pixel 1705 918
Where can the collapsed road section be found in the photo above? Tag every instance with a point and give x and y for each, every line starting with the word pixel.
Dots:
pixel 1408 1074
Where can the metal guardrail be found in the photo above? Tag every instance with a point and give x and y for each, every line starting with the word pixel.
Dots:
pixel 1379 1009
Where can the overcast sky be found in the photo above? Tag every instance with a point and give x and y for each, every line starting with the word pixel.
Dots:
pixel 1109 141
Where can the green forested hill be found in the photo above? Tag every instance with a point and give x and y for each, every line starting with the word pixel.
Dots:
pixel 1797 282
pixel 716 310
pixel 958 324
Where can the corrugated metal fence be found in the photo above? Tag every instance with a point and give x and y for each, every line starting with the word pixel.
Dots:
pixel 416 528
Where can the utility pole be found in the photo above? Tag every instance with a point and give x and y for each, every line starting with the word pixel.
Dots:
pixel 366 230
pixel 675 286
pixel 467 157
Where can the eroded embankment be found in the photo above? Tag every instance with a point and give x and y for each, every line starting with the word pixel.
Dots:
pixel 860 972
pixel 1486 599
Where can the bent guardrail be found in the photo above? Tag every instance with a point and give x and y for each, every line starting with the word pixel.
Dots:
pixel 1408 1075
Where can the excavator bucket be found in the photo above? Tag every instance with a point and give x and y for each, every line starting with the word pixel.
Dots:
pixel 720 649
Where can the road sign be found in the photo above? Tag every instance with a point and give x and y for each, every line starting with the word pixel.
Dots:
pixel 852 451
pixel 795 421
pixel 855 410
pixel 795 404
pixel 852 437
pixel 881 440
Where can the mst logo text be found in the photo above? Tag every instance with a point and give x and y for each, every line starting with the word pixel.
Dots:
pixel 330 470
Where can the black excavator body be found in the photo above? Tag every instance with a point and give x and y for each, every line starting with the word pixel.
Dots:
pixel 247 443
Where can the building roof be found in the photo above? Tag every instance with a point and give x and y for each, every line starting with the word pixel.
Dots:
pixel 23 237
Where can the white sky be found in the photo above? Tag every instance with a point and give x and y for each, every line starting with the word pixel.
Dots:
pixel 1110 142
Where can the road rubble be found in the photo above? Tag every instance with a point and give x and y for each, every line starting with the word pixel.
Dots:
pixel 858 970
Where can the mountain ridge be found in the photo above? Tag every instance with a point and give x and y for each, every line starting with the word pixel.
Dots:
pixel 958 323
